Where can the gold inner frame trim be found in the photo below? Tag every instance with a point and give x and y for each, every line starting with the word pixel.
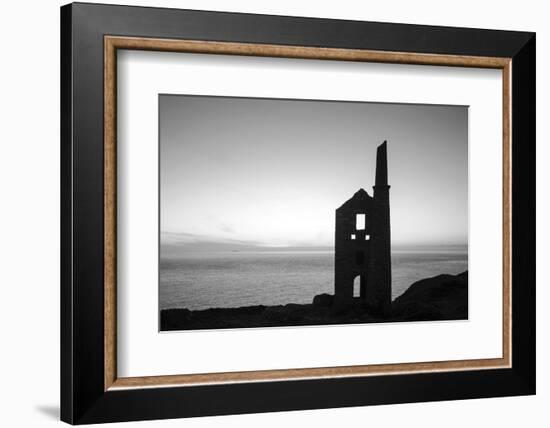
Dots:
pixel 113 43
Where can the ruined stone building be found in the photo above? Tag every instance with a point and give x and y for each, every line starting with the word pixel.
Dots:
pixel 362 244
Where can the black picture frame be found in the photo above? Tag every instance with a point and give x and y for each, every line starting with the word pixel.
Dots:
pixel 83 396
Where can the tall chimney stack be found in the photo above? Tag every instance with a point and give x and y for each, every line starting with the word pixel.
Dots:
pixel 380 282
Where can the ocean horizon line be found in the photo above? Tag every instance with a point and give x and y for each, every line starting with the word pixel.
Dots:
pixel 168 249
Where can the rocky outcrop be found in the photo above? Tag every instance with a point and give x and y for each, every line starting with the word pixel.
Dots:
pixel 444 297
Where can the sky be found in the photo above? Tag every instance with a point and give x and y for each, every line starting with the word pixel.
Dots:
pixel 270 172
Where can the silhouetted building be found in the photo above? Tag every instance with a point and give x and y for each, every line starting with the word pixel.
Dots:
pixel 362 244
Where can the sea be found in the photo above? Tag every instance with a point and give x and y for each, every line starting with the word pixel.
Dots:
pixel 227 279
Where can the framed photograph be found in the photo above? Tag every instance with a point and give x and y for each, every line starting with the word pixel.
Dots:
pixel 316 212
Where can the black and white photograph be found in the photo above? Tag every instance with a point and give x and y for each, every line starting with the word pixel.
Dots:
pixel 290 212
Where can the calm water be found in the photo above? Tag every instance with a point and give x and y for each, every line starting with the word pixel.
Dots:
pixel 231 279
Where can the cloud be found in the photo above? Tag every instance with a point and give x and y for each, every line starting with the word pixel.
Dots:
pixel 183 238
pixel 226 228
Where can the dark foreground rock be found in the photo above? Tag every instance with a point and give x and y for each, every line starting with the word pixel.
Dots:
pixel 444 297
